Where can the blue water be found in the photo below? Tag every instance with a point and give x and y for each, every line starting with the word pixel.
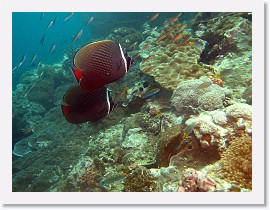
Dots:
pixel 28 29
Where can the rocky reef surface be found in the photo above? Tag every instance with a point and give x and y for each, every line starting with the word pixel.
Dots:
pixel 193 135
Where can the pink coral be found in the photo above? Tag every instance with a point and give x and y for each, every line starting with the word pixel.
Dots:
pixel 196 181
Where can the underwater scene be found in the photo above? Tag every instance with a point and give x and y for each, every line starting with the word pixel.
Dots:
pixel 131 102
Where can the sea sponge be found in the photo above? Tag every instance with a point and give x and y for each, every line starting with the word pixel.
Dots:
pixel 188 98
pixel 236 161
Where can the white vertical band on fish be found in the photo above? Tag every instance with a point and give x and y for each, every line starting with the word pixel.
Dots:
pixel 108 101
pixel 122 54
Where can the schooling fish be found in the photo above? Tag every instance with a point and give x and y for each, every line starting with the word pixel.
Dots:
pixel 148 58
pixel 19 65
pixel 177 37
pixel 124 92
pixel 204 85
pixel 171 21
pixel 39 64
pixel 52 49
pixel 176 25
pixel 42 40
pixel 149 69
pixel 83 106
pixel 146 46
pixel 78 35
pixel 181 28
pixel 51 23
pixel 41 16
pixel 89 20
pixel 154 17
pixel 100 63
pixel 69 16
pixel 162 36
pixel 33 59
pixel 151 93
pixel 153 29
pixel 132 45
pixel 34 84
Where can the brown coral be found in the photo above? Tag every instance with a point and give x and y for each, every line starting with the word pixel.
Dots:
pixel 174 63
pixel 236 161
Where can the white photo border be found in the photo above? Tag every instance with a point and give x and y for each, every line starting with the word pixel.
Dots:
pixel 257 196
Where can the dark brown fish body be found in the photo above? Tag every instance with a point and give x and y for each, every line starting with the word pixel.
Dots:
pixel 82 106
pixel 100 63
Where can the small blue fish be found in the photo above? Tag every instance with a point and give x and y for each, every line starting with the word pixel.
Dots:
pixel 119 177
pixel 151 93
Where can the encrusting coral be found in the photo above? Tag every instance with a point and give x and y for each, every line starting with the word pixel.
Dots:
pixel 188 98
pixel 173 62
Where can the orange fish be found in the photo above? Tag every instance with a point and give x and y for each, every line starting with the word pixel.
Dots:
pixel 136 55
pixel 181 28
pixel 176 25
pixel 149 69
pixel 122 93
pixel 146 46
pixel 154 17
pixel 177 37
pixel 148 58
pixel 184 42
pixel 171 20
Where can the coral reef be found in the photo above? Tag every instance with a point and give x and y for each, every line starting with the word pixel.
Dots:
pixel 196 181
pixel 225 34
pixel 194 135
pixel 229 47
pixel 247 94
pixel 236 161
pixel 126 37
pixel 235 165
pixel 213 128
pixel 174 64
pixel 188 98
pixel 140 180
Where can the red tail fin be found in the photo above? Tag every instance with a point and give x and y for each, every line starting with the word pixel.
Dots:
pixel 78 74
